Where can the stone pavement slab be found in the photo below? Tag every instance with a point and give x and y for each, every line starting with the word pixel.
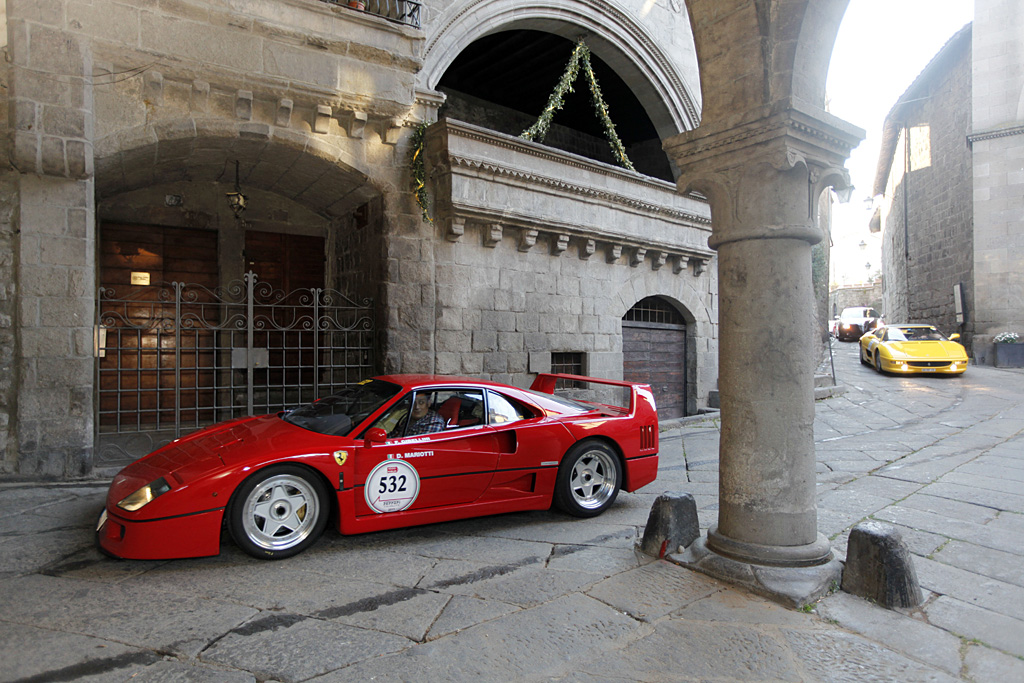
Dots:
pixel 540 596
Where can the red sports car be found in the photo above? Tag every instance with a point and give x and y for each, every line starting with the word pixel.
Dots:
pixel 393 451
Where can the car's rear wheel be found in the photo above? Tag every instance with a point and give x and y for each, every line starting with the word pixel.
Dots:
pixel 278 512
pixel 588 480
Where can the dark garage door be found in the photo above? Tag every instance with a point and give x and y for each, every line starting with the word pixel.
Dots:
pixel 654 351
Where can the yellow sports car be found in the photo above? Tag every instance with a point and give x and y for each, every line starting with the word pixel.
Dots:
pixel 904 349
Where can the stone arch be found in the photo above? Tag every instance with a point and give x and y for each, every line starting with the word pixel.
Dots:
pixel 768 59
pixel 611 33
pixel 305 169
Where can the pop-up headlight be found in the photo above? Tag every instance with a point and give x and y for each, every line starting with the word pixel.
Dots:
pixel 147 493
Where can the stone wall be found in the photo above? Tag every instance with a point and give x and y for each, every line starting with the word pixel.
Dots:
pixel 848 297
pixel 997 141
pixel 920 277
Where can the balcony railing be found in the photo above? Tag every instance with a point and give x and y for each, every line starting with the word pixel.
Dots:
pixel 401 11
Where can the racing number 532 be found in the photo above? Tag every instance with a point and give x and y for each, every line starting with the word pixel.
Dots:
pixel 391 484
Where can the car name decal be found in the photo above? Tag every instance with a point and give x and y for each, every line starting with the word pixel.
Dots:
pixel 406 456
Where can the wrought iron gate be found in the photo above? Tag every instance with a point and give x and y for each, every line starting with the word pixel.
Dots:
pixel 174 357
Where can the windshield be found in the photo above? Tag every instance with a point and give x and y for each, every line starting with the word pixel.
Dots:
pixel 915 334
pixel 340 413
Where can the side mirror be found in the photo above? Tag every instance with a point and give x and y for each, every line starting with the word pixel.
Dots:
pixel 954 336
pixel 376 435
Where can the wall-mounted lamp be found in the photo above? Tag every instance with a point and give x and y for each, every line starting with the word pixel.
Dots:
pixel 236 200
pixel 844 194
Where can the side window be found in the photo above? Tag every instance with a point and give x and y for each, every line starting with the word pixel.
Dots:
pixel 460 408
pixel 501 410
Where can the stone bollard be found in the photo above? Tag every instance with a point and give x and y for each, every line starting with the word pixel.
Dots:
pixel 672 523
pixel 879 567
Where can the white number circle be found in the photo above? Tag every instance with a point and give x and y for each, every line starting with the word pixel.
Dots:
pixel 392 486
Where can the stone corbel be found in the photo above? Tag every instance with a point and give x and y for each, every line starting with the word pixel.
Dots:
pixel 660 259
pixel 391 131
pixel 679 264
pixel 455 228
pixel 200 96
pixel 638 257
pixel 588 249
pixel 284 113
pixel 355 124
pixel 698 265
pixel 614 252
pixel 427 104
pixel 154 87
pixel 322 118
pixel 527 239
pixel 243 105
pixel 559 245
pixel 492 235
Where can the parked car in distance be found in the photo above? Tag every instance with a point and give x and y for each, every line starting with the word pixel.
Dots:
pixel 905 349
pixel 855 321
pixel 393 451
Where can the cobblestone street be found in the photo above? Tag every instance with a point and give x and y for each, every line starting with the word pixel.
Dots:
pixel 539 596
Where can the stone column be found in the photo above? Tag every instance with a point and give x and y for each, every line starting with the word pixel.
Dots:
pixel 763 180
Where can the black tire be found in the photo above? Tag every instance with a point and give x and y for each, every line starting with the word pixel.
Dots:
pixel 278 512
pixel 878 363
pixel 863 358
pixel 589 479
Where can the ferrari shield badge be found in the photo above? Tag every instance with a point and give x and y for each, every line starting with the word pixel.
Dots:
pixel 340 457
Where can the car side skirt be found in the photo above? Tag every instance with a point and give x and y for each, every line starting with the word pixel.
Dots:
pixel 349 523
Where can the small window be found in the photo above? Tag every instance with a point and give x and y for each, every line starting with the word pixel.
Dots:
pixel 567 363
pixel 501 410
pixel 461 407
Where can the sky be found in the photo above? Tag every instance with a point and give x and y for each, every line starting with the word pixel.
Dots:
pixel 882 46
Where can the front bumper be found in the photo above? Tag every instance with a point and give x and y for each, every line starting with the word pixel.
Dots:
pixel 194 535
pixel 909 367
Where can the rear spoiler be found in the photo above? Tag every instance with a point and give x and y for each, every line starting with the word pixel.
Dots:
pixel 545 384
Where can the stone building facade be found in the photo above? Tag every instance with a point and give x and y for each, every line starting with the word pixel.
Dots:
pixel 924 176
pixel 964 210
pixel 128 124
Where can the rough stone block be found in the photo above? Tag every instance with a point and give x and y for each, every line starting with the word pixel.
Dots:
pixel 879 567
pixel 672 523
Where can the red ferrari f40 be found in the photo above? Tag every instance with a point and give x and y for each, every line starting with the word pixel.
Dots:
pixel 393 451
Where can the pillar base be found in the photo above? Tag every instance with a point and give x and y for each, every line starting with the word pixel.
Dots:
pixel 818 552
pixel 793 586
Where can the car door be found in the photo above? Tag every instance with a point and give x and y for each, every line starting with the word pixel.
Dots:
pixel 437 463
pixel 530 448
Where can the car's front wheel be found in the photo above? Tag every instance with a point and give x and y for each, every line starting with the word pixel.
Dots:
pixel 878 362
pixel 588 480
pixel 278 512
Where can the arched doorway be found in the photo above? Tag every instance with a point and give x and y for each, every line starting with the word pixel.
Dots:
pixel 205 314
pixel 654 351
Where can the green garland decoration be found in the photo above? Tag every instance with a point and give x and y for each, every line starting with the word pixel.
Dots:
pixel 580 56
pixel 419 170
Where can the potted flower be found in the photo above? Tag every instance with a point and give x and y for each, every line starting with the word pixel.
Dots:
pixel 357 4
pixel 1009 350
